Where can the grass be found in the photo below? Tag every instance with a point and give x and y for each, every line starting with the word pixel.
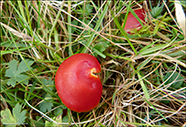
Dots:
pixel 143 74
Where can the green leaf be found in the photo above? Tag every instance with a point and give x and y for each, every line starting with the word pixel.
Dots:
pixel 22 78
pixel 58 111
pixel 156 11
pixel 102 46
pixel 7 118
pixel 12 45
pixel 153 49
pixel 144 87
pixel 89 8
pixel 146 47
pixel 17 118
pixel 176 80
pixel 16 110
pixel 22 116
pixel 15 70
pixel 51 124
pixel 23 67
pixel 98 53
pixel 12 81
pixel 174 54
pixel 46 105
pixel 65 119
pixel 48 82
pixel 12 68
pixel 18 115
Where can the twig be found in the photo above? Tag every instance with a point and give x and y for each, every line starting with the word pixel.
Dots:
pixel 40 112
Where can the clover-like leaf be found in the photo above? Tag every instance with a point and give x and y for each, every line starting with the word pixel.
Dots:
pixel 48 82
pixel 12 68
pixel 7 118
pixel 17 118
pixel 46 105
pixel 18 115
pixel 15 72
pixel 23 66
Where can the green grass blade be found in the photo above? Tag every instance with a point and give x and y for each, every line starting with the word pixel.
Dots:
pixel 144 88
pixel 28 16
pixel 99 53
pixel 126 15
pixel 22 18
pixel 123 32
pixel 134 14
pixel 120 57
pixel 21 9
pixel 15 50
pixel 69 29
pixel 153 49
pixel 97 26
pixel 156 110
pixel 148 46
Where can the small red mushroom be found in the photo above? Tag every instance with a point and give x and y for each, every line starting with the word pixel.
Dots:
pixel 77 84
pixel 132 23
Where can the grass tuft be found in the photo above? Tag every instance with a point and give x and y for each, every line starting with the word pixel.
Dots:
pixel 143 73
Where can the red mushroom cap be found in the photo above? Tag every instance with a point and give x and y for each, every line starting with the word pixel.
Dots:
pixel 77 85
pixel 132 22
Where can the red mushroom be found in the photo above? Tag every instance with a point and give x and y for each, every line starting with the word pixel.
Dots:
pixel 77 84
pixel 132 23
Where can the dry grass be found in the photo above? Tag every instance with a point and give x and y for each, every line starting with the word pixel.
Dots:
pixel 137 90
